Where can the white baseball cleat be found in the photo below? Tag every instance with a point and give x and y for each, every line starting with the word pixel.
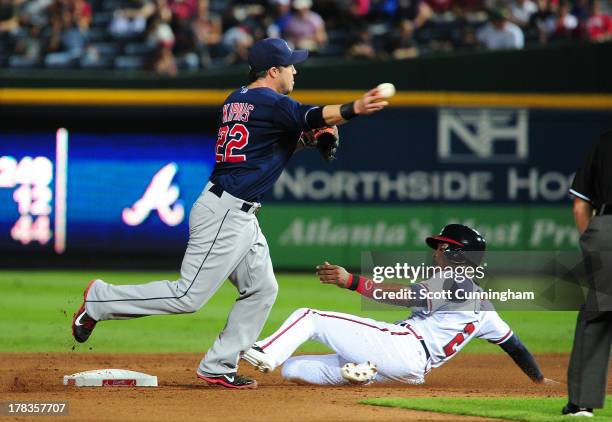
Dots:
pixel 359 373
pixel 583 413
pixel 572 410
pixel 258 358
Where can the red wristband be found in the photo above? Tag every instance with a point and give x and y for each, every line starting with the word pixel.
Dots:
pixel 349 281
pixel 365 287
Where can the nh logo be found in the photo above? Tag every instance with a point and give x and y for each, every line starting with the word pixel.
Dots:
pixel 476 135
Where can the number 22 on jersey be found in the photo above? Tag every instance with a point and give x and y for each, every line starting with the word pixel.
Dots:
pixel 230 140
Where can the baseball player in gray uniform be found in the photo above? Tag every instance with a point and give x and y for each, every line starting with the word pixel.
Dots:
pixel 260 127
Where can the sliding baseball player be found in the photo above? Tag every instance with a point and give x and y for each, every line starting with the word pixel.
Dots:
pixel 374 351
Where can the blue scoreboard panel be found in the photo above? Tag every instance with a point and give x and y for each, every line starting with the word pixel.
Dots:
pixel 64 191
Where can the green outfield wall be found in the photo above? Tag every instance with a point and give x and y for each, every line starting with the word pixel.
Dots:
pixel 301 236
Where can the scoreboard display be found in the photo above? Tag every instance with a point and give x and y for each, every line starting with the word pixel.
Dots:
pixel 63 191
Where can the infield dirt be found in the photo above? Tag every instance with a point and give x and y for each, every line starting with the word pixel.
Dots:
pixel 37 377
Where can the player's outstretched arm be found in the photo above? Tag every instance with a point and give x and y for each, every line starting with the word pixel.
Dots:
pixel 333 274
pixel 369 103
pixel 389 293
pixel 525 360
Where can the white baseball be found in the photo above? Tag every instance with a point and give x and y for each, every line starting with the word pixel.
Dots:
pixel 386 89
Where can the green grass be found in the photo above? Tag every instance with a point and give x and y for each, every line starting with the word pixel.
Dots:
pixel 36 309
pixel 532 409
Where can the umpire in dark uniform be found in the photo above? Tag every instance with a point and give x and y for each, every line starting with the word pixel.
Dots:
pixel 588 369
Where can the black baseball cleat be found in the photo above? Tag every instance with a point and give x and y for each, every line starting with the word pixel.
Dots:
pixel 229 380
pixel 83 324
pixel 571 409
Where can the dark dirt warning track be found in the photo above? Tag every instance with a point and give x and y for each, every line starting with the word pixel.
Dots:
pixel 37 377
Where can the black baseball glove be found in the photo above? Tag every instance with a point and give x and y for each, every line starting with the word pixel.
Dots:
pixel 325 139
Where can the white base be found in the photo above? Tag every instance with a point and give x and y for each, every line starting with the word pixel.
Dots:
pixel 110 378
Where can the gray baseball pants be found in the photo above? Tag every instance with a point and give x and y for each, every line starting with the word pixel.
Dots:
pixel 224 242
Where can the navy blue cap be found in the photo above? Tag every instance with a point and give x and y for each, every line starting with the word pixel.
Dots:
pixel 273 52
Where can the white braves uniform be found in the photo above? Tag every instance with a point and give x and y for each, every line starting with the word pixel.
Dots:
pixel 403 352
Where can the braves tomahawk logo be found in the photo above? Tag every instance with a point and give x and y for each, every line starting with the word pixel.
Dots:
pixel 161 195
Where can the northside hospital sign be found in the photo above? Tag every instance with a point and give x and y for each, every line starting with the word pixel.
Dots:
pixel 371 186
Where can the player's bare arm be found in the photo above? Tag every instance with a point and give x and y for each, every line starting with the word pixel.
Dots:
pixel 583 212
pixel 337 275
pixel 371 102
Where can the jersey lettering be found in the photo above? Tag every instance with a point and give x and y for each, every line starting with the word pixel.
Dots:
pixel 451 348
pixel 229 141
pixel 237 112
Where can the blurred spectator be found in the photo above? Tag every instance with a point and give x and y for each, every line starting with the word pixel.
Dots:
pixel 235 35
pixel 581 9
pixel 599 25
pixel 521 12
pixel 359 8
pixel 132 21
pixel 160 33
pixel 538 21
pixel 417 11
pixel 305 28
pixel 79 32
pixel 9 21
pixel 563 24
pixel 402 45
pixel 362 46
pixel 165 63
pixel 208 33
pixel 500 34
pixel 248 14
pixel 240 54
pixel 73 40
pixel 184 9
pixel 82 13
pixel 439 7
pixel 467 38
pixel 161 38
pixel 29 48
pixel 237 40
pixel 70 21
pixel 281 16
pixel 182 15
pixel 35 12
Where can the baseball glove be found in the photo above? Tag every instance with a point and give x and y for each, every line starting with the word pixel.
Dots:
pixel 325 139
